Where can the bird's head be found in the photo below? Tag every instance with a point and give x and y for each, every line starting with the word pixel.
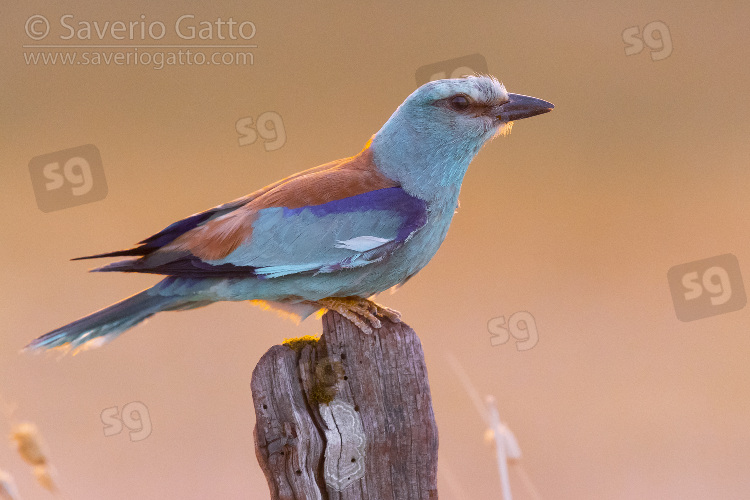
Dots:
pixel 473 107
pixel 434 134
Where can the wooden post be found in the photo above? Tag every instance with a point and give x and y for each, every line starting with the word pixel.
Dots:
pixel 346 417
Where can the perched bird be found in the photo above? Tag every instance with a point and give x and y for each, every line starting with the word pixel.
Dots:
pixel 326 238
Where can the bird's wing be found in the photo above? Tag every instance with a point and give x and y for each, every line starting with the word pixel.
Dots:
pixel 177 229
pixel 343 216
pixel 345 233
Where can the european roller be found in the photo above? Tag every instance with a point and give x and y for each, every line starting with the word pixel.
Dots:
pixel 330 237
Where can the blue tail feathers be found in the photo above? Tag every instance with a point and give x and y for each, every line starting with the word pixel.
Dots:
pixel 104 325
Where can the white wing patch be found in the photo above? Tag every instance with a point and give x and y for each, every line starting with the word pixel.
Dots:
pixel 283 270
pixel 362 243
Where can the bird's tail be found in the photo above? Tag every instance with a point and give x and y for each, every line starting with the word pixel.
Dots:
pixel 104 325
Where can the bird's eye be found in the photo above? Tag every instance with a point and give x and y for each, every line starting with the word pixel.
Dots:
pixel 460 102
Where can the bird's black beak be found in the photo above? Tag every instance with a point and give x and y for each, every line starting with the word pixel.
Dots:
pixel 522 106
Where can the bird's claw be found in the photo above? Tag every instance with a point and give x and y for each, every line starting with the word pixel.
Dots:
pixel 386 312
pixel 361 311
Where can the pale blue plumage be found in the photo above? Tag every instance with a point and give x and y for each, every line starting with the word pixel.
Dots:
pixel 351 228
pixel 281 244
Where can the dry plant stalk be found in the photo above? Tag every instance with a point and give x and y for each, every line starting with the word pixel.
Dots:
pixel 32 449
pixel 8 490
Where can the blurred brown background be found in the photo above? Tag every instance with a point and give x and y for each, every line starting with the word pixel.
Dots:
pixel 576 217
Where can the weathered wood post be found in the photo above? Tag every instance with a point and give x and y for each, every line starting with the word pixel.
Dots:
pixel 346 417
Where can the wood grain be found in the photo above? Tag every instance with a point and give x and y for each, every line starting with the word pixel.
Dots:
pixel 374 384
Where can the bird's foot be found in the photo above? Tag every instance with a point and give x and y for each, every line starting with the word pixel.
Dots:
pixel 361 311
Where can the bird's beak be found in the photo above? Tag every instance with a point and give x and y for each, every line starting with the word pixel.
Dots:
pixel 522 106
